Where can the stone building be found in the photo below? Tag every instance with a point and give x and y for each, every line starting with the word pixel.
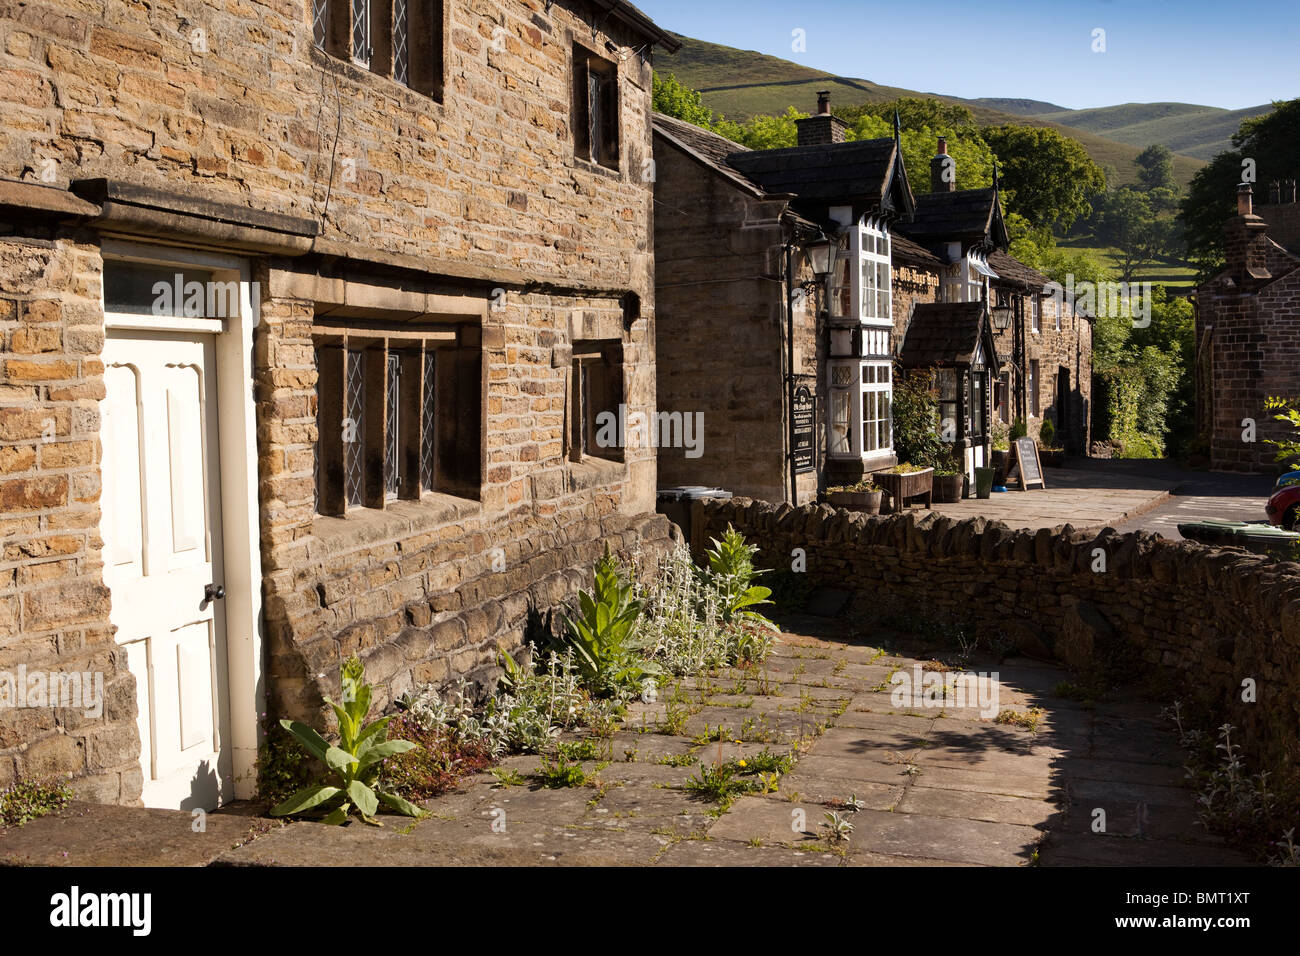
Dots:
pixel 307 313
pixel 1248 333
pixel 743 327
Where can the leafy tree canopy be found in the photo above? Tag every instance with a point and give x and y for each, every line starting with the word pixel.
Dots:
pixel 1272 141
pixel 1048 178
pixel 1156 167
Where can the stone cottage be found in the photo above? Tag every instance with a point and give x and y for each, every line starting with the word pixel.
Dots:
pixel 794 379
pixel 1248 332
pixel 308 311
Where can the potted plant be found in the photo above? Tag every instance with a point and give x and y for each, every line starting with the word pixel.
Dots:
pixel 906 481
pixel 862 496
pixel 949 481
pixel 1051 454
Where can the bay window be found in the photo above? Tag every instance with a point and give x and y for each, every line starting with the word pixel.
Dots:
pixel 860 297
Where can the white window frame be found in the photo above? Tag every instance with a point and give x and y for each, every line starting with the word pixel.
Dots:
pixel 885 388
pixel 870 247
pixel 1035 315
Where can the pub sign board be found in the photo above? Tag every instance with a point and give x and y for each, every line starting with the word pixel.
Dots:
pixel 804 428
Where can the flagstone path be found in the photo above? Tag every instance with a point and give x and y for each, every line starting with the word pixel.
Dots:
pixel 939 787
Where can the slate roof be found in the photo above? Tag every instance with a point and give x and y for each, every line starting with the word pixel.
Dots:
pixel 945 334
pixel 834 173
pixel 900 247
pixel 707 147
pixel 942 215
pixel 1013 271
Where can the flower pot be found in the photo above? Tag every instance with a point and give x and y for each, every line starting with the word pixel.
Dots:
pixel 913 484
pixel 864 501
pixel 998 460
pixel 983 482
pixel 948 488
pixel 1052 457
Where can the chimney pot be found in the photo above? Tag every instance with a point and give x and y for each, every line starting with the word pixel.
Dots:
pixel 823 102
pixel 1244 199
pixel 943 146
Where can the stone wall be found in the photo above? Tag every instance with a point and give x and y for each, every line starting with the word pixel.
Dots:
pixel 1205 618
pixel 476 193
pixel 720 330
pixel 1071 349
pixel 53 603
pixel 1253 349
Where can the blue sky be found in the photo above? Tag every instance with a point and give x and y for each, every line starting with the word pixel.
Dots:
pixel 1155 52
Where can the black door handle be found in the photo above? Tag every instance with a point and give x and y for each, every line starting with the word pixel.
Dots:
pixel 213 592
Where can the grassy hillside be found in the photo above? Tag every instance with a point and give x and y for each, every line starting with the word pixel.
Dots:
pixel 1196 131
pixel 742 83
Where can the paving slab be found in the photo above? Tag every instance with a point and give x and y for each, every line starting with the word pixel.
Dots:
pixel 99 835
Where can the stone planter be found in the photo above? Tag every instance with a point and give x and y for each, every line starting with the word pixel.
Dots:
pixel 864 501
pixel 1052 457
pixel 948 488
pixel 914 484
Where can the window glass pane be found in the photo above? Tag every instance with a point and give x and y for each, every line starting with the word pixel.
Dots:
pixel 841 375
pixel 401 49
pixel 361 31
pixel 391 456
pixel 427 420
pixel 137 288
pixel 354 426
pixel 319 21
pixel 839 438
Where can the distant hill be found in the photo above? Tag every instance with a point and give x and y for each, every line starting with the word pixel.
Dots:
pixel 742 83
pixel 1196 131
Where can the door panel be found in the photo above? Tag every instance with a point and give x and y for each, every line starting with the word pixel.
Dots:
pixel 162 534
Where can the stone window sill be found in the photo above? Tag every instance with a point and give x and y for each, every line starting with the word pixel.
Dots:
pixel 592 472
pixel 398 519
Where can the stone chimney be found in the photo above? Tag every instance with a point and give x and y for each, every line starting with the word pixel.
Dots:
pixel 943 170
pixel 822 127
pixel 1246 243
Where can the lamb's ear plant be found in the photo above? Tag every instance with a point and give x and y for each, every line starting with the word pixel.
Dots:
pixel 354 763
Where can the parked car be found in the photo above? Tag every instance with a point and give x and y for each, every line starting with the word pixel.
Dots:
pixel 1283 507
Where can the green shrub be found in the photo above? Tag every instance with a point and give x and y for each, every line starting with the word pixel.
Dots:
pixel 915 414
pixel 1018 430
pixel 732 564
pixel 1047 434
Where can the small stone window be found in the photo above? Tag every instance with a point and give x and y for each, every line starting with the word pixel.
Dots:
pixel 397 417
pixel 598 423
pixel 595 114
pixel 400 39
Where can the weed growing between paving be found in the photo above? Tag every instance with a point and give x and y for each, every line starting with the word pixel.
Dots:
pixel 26 800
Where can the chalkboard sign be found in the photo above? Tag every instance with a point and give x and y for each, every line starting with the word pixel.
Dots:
pixel 1030 467
pixel 804 415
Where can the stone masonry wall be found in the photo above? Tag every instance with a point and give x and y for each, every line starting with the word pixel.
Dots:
pixel 720 340
pixel 1206 617
pixel 1070 348
pixel 53 603
pixel 248 116
pixel 1253 346
pixel 231 103
pixel 426 591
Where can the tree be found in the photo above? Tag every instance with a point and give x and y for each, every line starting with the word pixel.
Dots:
pixel 972 156
pixel 1271 142
pixel 1049 178
pixel 1156 167
pixel 670 97
pixel 1128 219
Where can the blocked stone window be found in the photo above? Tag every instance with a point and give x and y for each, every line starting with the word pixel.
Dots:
pixel 400 39
pixel 597 421
pixel 398 415
pixel 595 113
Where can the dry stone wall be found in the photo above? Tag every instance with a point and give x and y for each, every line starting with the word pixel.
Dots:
pixel 1206 619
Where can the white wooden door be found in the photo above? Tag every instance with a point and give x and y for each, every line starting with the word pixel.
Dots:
pixel 162 548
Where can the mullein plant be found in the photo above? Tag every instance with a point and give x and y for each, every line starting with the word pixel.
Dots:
pixel 604 633
pixel 354 764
